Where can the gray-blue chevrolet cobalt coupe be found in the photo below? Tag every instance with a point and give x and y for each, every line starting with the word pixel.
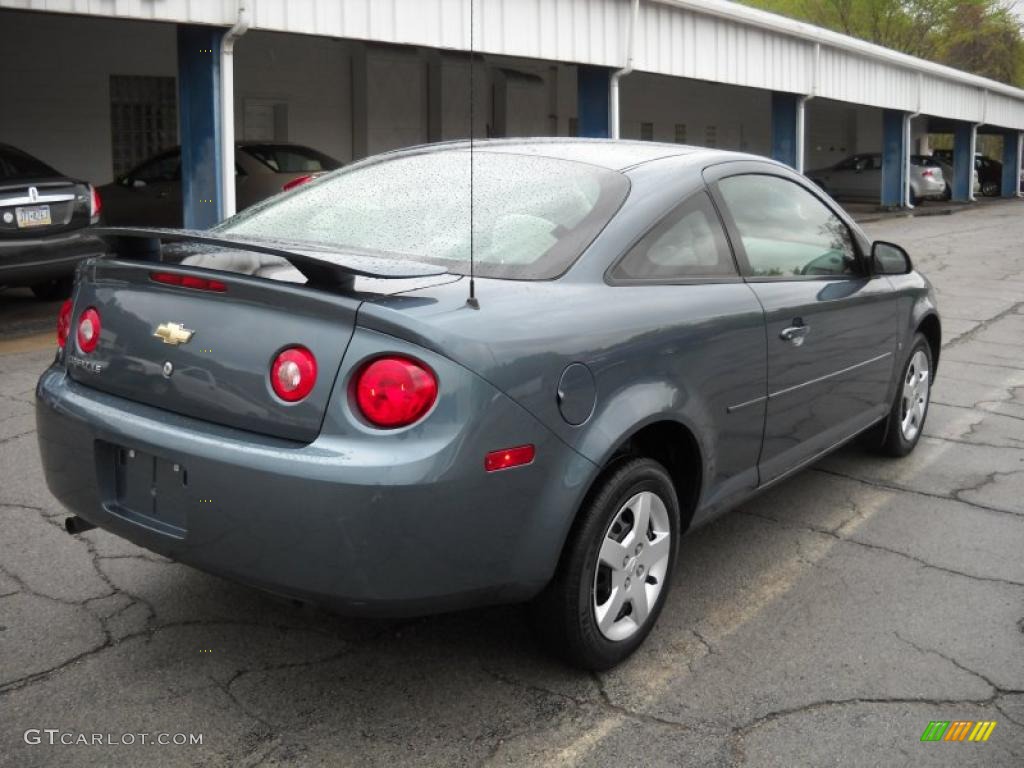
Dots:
pixel 369 393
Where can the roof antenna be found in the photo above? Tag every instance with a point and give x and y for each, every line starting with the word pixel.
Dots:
pixel 472 300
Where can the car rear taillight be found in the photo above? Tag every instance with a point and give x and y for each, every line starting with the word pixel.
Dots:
pixel 927 173
pixel 394 392
pixel 95 204
pixel 293 374
pixel 188 281
pixel 88 330
pixel 298 182
pixel 64 323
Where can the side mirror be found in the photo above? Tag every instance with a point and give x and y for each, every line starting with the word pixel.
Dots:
pixel 890 259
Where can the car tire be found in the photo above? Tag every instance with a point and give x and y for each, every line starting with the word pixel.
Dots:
pixel 52 289
pixel 989 189
pixel 898 434
pixel 568 615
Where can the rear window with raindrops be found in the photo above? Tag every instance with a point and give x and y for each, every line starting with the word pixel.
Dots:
pixel 532 215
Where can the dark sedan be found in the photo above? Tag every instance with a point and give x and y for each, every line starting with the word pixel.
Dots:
pixel 44 216
pixel 316 398
pixel 988 172
pixel 150 195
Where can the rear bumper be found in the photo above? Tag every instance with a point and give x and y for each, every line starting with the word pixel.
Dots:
pixel 24 261
pixel 364 530
pixel 929 188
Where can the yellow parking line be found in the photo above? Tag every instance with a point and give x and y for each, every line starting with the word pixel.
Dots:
pixel 28 343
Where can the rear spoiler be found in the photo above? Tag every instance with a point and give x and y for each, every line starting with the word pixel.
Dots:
pixel 320 267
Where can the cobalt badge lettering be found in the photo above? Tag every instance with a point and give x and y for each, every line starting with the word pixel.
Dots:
pixel 92 366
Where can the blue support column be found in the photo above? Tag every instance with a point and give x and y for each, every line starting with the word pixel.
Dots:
pixel 592 101
pixel 963 162
pixel 1011 164
pixel 894 158
pixel 199 124
pixel 785 128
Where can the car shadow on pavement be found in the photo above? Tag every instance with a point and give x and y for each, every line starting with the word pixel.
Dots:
pixel 792 601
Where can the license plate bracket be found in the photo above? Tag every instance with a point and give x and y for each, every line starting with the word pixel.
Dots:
pixel 33 216
pixel 152 490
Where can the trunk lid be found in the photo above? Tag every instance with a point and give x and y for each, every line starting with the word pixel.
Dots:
pixel 271 296
pixel 221 374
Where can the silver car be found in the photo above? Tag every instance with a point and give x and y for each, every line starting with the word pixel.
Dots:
pixel 860 177
pixel 347 395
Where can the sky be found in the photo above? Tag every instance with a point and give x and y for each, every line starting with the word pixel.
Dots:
pixel 1017 6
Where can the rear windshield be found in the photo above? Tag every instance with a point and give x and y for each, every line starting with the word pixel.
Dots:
pixel 532 216
pixel 284 158
pixel 925 160
pixel 15 164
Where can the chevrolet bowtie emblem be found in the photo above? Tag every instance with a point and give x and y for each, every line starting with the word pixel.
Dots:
pixel 173 333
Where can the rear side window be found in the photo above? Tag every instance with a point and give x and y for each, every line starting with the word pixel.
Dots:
pixel 786 231
pixel 15 164
pixel 282 158
pixel 688 243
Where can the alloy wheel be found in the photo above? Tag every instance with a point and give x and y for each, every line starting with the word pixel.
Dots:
pixel 914 403
pixel 631 566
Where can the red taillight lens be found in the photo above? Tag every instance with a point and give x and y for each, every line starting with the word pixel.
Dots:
pixel 293 374
pixel 95 204
pixel 298 182
pixel 508 458
pixel 188 281
pixel 927 173
pixel 395 391
pixel 64 323
pixel 89 330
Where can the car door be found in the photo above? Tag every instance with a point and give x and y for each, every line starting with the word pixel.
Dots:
pixel 831 327
pixel 150 195
pixel 837 179
pixel 865 181
pixel 710 342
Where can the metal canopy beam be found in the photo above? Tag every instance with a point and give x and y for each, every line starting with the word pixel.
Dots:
pixel 787 129
pixel 894 158
pixel 963 162
pixel 1011 165
pixel 592 93
pixel 199 125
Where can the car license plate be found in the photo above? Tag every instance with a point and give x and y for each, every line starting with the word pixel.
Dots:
pixel 34 216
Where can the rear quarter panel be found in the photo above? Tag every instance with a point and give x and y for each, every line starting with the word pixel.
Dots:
pixel 685 353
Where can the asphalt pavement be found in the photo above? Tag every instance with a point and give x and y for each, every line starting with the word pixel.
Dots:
pixel 826 622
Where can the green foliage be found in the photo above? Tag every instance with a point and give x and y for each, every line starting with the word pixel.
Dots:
pixel 979 36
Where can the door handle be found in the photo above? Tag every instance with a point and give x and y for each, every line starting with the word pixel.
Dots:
pixel 795 334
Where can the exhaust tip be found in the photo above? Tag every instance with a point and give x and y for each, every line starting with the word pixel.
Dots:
pixel 75 525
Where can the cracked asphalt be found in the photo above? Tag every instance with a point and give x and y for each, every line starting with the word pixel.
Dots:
pixel 824 623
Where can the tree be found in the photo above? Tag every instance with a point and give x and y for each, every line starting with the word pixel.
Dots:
pixel 983 40
pixel 979 36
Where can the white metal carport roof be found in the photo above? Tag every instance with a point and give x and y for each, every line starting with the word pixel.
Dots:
pixel 711 40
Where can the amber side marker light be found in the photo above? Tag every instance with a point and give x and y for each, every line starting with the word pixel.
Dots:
pixel 509 457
